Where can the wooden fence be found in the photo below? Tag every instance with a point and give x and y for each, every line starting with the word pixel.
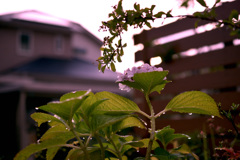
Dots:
pixel 213 67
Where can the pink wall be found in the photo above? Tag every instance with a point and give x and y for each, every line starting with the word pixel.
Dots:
pixel 43 45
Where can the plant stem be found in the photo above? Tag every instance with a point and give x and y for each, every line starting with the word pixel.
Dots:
pixel 152 130
pixel 160 113
pixel 88 140
pixel 205 146
pixel 144 114
pixel 115 147
pixel 213 141
pixel 101 146
pixel 69 145
pixel 84 149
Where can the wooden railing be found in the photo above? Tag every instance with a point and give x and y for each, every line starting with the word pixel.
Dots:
pixel 208 61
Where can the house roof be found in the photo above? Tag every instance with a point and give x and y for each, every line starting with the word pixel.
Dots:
pixel 37 17
pixel 72 68
pixel 49 75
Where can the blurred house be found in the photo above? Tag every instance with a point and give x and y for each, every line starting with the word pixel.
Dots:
pixel 41 58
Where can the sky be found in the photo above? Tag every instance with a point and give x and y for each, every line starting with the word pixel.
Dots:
pixel 90 14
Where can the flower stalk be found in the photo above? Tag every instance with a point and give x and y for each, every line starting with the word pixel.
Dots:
pixel 152 129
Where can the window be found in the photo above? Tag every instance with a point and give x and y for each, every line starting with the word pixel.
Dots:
pixel 59 44
pixel 25 42
pixel 79 51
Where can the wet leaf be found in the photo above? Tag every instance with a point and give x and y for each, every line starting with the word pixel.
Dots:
pixel 66 107
pixel 100 121
pixel 115 103
pixel 34 148
pixel 126 123
pixel 44 117
pixel 193 102
pixel 148 82
pixel 166 135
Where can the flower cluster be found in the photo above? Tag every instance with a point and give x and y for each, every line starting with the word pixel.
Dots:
pixel 129 73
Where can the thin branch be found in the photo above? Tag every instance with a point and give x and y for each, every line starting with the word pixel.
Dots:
pixel 144 114
pixel 160 113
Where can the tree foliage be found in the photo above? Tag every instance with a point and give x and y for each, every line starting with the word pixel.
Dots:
pixel 120 20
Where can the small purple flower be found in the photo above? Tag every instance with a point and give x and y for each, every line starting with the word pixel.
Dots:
pixel 124 87
pixel 128 74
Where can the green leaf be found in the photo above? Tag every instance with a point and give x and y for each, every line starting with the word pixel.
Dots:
pixel 123 143
pixel 125 138
pixel 137 6
pixel 126 123
pixel 145 142
pixel 166 135
pixel 185 3
pixel 113 67
pixel 152 7
pixel 124 45
pixel 125 148
pixel 65 108
pixel 99 65
pixel 82 127
pixel 91 109
pixel 198 14
pixel 100 121
pixel 59 132
pixel 185 149
pixel 196 23
pixel 74 94
pixel 193 102
pixel 109 147
pixel 125 26
pixel 88 106
pixel 148 82
pixel 103 68
pixel 51 152
pixel 135 143
pixel 238 125
pixel 202 2
pixel 234 14
pixel 119 58
pixel 44 117
pixel 217 1
pixel 119 9
pixel 159 14
pixel 168 14
pixel 34 148
pixel 115 103
pixel 160 153
pixel 77 154
pixel 148 24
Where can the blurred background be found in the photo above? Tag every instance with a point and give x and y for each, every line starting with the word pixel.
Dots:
pixel 50 47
